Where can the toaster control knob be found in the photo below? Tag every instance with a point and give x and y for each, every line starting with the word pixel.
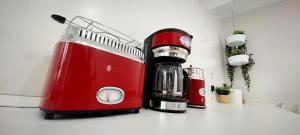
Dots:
pixel 110 95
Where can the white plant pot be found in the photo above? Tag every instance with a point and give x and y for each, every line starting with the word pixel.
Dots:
pixel 236 40
pixel 238 60
pixel 236 96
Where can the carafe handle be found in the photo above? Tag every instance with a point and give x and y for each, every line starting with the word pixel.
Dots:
pixel 186 83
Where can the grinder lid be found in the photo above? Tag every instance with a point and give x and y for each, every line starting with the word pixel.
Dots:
pixel 195 73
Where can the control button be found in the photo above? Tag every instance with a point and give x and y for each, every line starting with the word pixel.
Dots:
pixel 202 92
pixel 185 41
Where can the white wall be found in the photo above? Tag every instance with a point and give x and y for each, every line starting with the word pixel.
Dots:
pixel 273 36
pixel 28 35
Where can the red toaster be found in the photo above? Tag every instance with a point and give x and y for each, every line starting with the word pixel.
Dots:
pixel 94 68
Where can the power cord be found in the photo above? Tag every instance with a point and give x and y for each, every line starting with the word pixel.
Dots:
pixel 17 106
pixel 7 106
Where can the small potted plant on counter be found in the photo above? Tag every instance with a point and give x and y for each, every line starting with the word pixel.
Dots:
pixel 238 38
pixel 222 93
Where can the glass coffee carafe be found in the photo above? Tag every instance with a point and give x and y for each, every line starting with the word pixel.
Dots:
pixel 169 80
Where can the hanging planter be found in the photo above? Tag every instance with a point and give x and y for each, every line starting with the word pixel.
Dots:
pixel 238 60
pixel 238 56
pixel 236 53
pixel 236 40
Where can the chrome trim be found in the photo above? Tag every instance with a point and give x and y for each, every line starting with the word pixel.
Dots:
pixel 85 23
pixel 171 51
pixel 97 40
pixel 110 88
pixel 197 106
pixel 169 106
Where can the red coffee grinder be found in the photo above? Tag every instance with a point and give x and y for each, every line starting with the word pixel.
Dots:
pixel 196 93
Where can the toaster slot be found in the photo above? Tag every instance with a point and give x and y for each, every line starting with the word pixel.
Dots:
pixel 91 36
pixel 80 33
pixel 107 41
pixel 98 38
pixel 103 40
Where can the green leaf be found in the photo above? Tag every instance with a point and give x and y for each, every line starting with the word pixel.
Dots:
pixel 238 32
pixel 225 90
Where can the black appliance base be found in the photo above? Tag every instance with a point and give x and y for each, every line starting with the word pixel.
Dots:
pixel 49 114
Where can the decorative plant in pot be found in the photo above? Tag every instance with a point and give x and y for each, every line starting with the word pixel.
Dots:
pixel 222 93
pixel 238 38
pixel 237 56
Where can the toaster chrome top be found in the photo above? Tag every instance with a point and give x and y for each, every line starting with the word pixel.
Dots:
pixel 103 42
pixel 94 34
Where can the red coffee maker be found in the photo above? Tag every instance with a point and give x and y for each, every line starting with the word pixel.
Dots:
pixel 196 93
pixel 166 83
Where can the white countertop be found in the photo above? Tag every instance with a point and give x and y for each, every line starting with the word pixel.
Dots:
pixel 223 119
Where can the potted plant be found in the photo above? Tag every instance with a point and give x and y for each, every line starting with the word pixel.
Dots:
pixel 238 38
pixel 237 56
pixel 222 93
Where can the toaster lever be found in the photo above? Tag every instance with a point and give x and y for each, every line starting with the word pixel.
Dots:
pixel 58 18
